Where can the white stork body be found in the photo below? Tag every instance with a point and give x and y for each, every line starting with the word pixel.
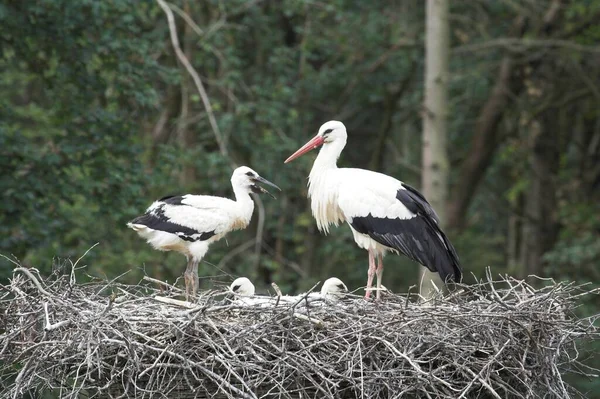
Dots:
pixel 333 288
pixel 383 213
pixel 244 293
pixel 188 224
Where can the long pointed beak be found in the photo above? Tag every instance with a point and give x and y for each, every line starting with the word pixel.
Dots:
pixel 311 145
pixel 265 181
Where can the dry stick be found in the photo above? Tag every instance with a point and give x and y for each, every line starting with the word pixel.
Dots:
pixel 187 19
pixel 84 254
pixel 282 362
pixel 143 373
pixel 153 280
pixel 415 366
pixel 176 302
pixel 278 292
pixel 212 324
pixel 196 78
pixel 362 373
pixel 33 279
pixel 316 322
pixel 236 375
pixel 478 376
pixel 49 326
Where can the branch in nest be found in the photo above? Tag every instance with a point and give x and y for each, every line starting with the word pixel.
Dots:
pixel 496 338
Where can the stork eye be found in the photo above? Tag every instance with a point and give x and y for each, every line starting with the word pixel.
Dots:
pixel 327 131
pixel 235 288
pixel 249 174
pixel 341 286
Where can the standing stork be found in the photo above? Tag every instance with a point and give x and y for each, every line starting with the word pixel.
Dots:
pixel 188 224
pixel 384 214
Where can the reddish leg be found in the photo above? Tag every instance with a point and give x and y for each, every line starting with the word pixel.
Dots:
pixel 370 274
pixel 379 273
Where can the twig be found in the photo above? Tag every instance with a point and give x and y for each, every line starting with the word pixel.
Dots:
pixel 478 375
pixel 519 44
pixel 153 280
pixel 49 326
pixel 187 19
pixel 278 292
pixel 498 338
pixel 197 81
pixel 33 279
pixel 176 302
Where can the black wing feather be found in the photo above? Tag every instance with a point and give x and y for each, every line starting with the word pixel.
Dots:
pixel 419 238
pixel 157 220
pixel 172 199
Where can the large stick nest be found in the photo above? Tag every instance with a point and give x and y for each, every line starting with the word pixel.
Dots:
pixel 494 339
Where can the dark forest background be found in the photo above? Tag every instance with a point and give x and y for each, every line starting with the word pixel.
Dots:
pixel 98 118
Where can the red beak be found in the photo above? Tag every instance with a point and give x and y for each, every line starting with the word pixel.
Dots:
pixel 311 145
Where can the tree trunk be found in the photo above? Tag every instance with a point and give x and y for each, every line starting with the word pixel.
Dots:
pixel 540 223
pixel 484 145
pixel 486 137
pixel 435 157
pixel 185 136
pixel 514 237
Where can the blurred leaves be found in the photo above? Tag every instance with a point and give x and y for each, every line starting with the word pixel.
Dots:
pixel 97 119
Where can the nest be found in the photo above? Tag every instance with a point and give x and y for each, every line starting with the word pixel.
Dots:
pixel 494 339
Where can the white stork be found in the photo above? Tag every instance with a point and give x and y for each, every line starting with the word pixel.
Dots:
pixel 333 288
pixel 190 223
pixel 242 286
pixel 384 214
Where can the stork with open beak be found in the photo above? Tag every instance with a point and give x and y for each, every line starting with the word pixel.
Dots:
pixel 383 213
pixel 190 223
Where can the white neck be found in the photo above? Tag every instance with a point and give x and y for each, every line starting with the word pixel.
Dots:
pixel 245 204
pixel 327 158
pixel 323 186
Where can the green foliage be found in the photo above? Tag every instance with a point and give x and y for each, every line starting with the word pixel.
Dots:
pixel 98 118
pixel 76 77
pixel 85 85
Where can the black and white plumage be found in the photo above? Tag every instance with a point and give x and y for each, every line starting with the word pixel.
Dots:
pixel 384 214
pixel 332 289
pixel 242 286
pixel 190 223
pixel 244 294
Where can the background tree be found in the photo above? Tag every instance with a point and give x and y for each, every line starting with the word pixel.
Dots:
pixel 99 116
pixel 435 157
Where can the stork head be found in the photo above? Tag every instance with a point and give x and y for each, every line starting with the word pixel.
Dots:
pixel 242 286
pixel 248 180
pixel 333 287
pixel 329 133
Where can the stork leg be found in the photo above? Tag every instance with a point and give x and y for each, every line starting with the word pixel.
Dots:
pixel 370 274
pixel 195 278
pixel 379 273
pixel 191 278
